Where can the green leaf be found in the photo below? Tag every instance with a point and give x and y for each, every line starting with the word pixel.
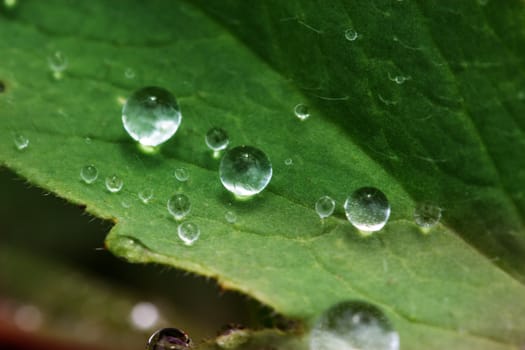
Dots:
pixel 449 134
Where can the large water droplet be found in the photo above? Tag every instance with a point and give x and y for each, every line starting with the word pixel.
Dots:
pixel 21 142
pixel 151 116
pixel 169 339
pixel 217 139
pixel 367 209
pixel 146 195
pixel 301 111
pixel 57 63
pixel 179 206
pixel 182 174
pixel 245 171
pixel 114 183
pixel 427 214
pixel 325 206
pixel 89 173
pixel 188 232
pixel 351 34
pixel 353 325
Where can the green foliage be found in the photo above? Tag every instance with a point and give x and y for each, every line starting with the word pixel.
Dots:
pixel 450 134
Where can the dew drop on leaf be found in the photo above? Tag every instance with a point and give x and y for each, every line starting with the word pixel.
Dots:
pixel 89 173
pixel 353 325
pixel 146 195
pixel 57 63
pixel 21 142
pixel 217 139
pixel 367 209
pixel 324 206
pixel 179 206
pixel 301 111
pixel 169 339
pixel 188 232
pixel 181 174
pixel 245 171
pixel 288 161
pixel 351 34
pixel 230 217
pixel 427 214
pixel 114 183
pixel 129 73
pixel 151 116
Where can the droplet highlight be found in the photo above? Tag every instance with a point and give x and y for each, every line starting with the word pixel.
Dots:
pixel 146 195
pixel 301 111
pixel 21 142
pixel 57 63
pixel 169 339
pixel 325 206
pixel 188 232
pixel 151 116
pixel 427 215
pixel 245 171
pixel 114 183
pixel 181 174
pixel 367 209
pixel 351 34
pixel 89 174
pixel 353 325
pixel 179 206
pixel 217 139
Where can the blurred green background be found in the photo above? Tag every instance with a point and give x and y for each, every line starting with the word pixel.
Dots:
pixel 59 286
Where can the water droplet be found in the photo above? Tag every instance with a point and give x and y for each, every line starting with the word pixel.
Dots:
pixel 151 116
pixel 353 325
pixel 427 214
pixel 125 204
pixel 301 111
pixel 114 183
pixel 245 171
pixel 21 142
pixel 129 73
pixel 57 63
pixel 367 209
pixel 230 217
pixel 217 139
pixel 324 206
pixel 146 195
pixel 169 339
pixel 179 206
pixel 181 174
pixel 351 34
pixel 188 232
pixel 89 173
pixel 232 336
pixel 288 161
pixel 88 140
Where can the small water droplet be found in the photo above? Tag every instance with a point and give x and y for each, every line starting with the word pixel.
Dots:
pixel 232 336
pixel 230 217
pixel 367 209
pixel 125 204
pixel 151 116
pixel 188 232
pixel 129 73
pixel 427 214
pixel 89 173
pixel 146 195
pixel 301 111
pixel 288 161
pixel 179 205
pixel 245 171
pixel 169 339
pixel 114 183
pixel 351 34
pixel 217 139
pixel 58 64
pixel 353 325
pixel 182 174
pixel 88 140
pixel 325 206
pixel 21 142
